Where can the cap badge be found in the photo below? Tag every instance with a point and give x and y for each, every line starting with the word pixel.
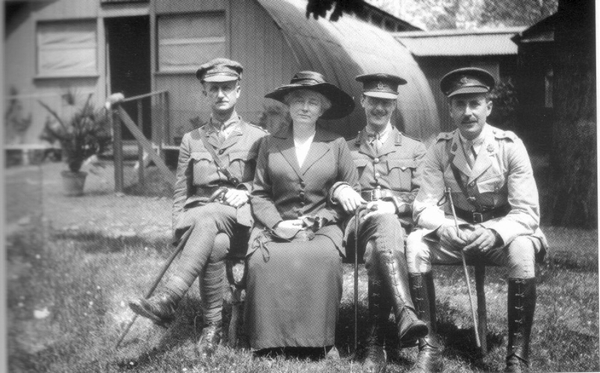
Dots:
pixel 380 85
pixel 490 148
pixel 464 80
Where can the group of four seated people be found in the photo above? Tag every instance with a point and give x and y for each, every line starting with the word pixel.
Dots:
pixel 294 194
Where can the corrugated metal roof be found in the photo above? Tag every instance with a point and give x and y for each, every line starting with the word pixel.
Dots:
pixel 460 43
pixel 349 47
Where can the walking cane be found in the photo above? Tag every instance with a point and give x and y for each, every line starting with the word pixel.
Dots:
pixel 359 210
pixel 464 262
pixel 165 266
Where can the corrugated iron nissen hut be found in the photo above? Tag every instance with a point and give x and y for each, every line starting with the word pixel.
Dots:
pixel 155 46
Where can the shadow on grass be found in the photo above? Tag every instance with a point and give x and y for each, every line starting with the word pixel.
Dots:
pixel 182 333
pixel 98 243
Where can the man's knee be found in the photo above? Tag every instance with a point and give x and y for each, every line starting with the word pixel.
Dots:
pixel 386 222
pixel 417 252
pixel 521 258
pixel 220 247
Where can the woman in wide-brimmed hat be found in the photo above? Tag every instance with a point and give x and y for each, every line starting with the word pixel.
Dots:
pixel 294 261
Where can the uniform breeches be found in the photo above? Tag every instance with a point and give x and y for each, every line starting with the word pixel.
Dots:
pixel 207 221
pixel 383 231
pixel 423 250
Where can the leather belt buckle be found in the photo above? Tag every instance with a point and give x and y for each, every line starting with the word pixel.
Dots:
pixel 477 217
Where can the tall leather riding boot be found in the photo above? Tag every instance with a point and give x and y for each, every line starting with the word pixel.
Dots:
pixel 429 358
pixel 521 307
pixel 212 286
pixel 379 311
pixel 394 274
pixel 159 308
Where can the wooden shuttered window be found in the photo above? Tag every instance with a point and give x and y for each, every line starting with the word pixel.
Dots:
pixel 67 48
pixel 186 41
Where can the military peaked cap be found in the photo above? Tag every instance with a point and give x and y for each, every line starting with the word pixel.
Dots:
pixel 467 80
pixel 220 70
pixel 381 85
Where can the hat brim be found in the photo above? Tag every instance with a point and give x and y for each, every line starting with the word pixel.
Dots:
pixel 469 90
pixel 342 104
pixel 386 95
pixel 220 79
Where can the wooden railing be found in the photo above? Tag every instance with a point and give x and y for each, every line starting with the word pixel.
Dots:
pixel 152 149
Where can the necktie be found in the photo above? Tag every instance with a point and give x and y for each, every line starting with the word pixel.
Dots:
pixel 471 155
pixel 376 141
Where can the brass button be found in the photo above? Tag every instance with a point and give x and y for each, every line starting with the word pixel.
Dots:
pixel 377 174
pixel 376 160
pixel 221 151
pixel 472 184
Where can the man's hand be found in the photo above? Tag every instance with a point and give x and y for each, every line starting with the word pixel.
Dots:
pixel 235 197
pixel 451 238
pixel 380 207
pixel 348 198
pixel 481 239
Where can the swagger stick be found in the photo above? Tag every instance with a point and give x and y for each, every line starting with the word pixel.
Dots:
pixel 359 210
pixel 464 262
pixel 218 193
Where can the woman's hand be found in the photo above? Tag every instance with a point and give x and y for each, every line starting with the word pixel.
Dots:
pixel 348 198
pixel 288 228
pixel 289 224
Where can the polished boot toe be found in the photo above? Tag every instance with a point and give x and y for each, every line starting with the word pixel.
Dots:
pixel 209 340
pixel 410 328
pixel 160 309
pixel 429 359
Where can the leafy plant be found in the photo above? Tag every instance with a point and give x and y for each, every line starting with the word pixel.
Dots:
pixel 84 133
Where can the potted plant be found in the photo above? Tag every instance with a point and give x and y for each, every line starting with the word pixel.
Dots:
pixel 84 131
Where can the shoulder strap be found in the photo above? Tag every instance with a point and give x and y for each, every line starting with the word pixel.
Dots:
pixel 217 161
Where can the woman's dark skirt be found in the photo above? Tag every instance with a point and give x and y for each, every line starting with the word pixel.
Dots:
pixel 293 298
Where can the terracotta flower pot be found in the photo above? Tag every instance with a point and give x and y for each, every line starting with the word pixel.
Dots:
pixel 73 182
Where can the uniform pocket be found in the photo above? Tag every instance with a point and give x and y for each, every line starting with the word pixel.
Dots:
pixel 360 164
pixel 400 172
pixel 242 165
pixel 203 167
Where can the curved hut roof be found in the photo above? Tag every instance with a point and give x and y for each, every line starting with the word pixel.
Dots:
pixel 349 47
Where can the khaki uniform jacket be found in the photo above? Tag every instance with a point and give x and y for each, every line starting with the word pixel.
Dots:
pixel 396 167
pixel 501 175
pixel 197 175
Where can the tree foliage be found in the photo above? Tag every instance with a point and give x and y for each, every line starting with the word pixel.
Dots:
pixel 446 14
pixel 574 156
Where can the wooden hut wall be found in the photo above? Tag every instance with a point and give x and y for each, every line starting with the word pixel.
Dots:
pixel 342 50
pixel 252 39
pixel 21 55
pixel 186 102
pixel 260 47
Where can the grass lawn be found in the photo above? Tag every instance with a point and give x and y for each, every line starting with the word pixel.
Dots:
pixel 70 275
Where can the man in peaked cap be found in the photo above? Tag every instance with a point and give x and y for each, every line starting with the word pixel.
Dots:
pixel 221 153
pixel 388 165
pixel 495 197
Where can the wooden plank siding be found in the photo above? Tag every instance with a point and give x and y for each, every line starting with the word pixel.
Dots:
pixel 272 39
pixel 260 47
